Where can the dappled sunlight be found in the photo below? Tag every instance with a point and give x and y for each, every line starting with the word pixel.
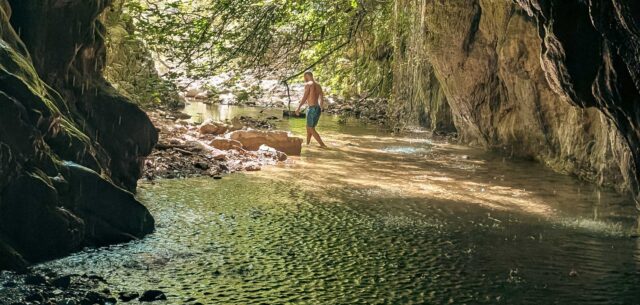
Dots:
pixel 421 168
pixel 374 215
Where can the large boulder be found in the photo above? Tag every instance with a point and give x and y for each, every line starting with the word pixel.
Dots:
pixel 110 215
pixel 280 140
pixel 71 147
pixel 214 128
pixel 225 144
pixel 203 95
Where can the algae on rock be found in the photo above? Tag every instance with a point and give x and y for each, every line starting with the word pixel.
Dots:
pixel 71 147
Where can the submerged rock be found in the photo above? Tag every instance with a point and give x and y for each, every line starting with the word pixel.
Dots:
pixel 62 282
pixel 35 297
pixel 35 279
pixel 128 296
pixel 152 296
pixel 94 297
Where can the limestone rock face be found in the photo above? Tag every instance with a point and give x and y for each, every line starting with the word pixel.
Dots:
pixel 71 148
pixel 557 80
pixel 280 140
pixel 594 62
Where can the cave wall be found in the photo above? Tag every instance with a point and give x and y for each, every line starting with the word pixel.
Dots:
pixel 71 147
pixel 418 97
pixel 554 81
pixel 594 61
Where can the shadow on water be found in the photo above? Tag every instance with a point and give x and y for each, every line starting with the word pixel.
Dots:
pixel 380 219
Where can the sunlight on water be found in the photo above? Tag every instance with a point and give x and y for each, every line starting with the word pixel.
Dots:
pixel 598 226
pixel 405 149
pixel 380 219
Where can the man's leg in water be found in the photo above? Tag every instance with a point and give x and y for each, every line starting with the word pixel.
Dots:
pixel 309 134
pixel 316 136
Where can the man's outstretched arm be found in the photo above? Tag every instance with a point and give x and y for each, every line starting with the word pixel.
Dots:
pixel 304 99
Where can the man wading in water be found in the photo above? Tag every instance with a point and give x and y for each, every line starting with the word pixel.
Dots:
pixel 312 95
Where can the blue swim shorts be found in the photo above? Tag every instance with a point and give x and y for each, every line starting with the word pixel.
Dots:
pixel 313 115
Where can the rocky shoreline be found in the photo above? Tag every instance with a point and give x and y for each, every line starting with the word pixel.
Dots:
pixel 368 110
pixel 186 149
pixel 48 287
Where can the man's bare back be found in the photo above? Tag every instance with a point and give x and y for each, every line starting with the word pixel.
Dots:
pixel 312 91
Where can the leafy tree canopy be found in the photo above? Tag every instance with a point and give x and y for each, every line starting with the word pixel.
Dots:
pixel 338 38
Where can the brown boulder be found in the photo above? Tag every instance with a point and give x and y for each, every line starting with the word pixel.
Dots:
pixel 215 128
pixel 225 144
pixel 280 140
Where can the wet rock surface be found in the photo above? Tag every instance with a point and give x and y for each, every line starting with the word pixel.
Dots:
pixel 280 140
pixel 42 286
pixel 152 296
pixel 71 147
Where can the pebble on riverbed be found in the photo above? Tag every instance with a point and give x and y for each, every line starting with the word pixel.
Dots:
pixel 128 296
pixel 48 287
pixel 152 296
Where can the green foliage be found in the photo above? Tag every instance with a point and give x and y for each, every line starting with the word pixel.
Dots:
pixel 196 39
pixel 130 67
pixel 360 49
pixel 243 96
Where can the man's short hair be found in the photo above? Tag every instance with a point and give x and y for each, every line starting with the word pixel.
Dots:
pixel 308 73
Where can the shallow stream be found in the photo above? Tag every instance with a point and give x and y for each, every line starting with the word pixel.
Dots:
pixel 379 219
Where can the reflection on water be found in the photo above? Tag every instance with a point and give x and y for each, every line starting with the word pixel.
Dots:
pixel 217 112
pixel 381 219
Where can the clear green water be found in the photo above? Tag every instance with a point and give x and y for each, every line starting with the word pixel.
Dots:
pixel 380 219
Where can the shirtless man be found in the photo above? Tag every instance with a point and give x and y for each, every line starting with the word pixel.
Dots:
pixel 314 97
